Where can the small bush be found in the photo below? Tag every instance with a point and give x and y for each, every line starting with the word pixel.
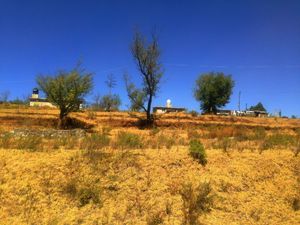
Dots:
pixel 197 151
pixel 70 188
pixel 196 201
pixel 126 140
pixel 296 204
pixel 155 219
pixel 87 195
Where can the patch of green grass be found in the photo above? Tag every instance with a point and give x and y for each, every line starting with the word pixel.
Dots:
pixel 197 151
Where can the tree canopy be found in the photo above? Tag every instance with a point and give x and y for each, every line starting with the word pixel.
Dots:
pixel 258 107
pixel 110 102
pixel 66 90
pixel 213 90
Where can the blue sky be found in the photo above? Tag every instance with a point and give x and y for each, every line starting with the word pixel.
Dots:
pixel 257 42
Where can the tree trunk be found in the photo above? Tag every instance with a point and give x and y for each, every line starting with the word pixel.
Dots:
pixel 62 123
pixel 149 117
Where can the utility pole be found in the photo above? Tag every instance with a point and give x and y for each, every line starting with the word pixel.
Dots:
pixel 239 106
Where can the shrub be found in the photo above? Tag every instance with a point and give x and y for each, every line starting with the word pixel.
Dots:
pixel 196 201
pixel 127 140
pixel 70 188
pixel 197 151
pixel 155 219
pixel 95 142
pixel 296 204
pixel 87 195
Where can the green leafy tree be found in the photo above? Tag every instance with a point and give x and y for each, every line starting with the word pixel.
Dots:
pixel 258 107
pixel 213 90
pixel 66 90
pixel 147 58
pixel 110 102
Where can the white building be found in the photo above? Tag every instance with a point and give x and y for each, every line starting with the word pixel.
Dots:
pixel 39 102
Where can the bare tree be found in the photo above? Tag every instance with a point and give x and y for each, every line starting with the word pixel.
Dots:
pixel 109 102
pixel 147 58
pixel 110 82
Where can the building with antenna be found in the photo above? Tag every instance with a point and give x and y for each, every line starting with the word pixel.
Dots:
pixel 168 108
pixel 35 100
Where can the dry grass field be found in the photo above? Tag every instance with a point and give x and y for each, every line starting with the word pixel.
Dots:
pixel 121 174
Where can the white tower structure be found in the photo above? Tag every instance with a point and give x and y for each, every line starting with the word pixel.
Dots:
pixel 169 104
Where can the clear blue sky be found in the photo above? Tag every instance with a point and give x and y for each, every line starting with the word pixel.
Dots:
pixel 257 42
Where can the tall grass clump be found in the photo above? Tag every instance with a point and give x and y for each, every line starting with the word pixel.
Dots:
pixel 197 151
pixel 225 144
pixel 167 141
pixel 30 143
pixel 126 140
pixel 6 140
pixel 196 201
pixel 95 142
pixel 297 148
pixel 259 133
pixel 278 140
pixel 67 142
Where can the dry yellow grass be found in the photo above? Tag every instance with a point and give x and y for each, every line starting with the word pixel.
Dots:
pixel 249 188
pixel 137 186
pixel 123 119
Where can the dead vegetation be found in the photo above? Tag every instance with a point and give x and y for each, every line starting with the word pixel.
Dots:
pixel 123 175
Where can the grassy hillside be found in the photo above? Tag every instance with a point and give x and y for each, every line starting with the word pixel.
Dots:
pixel 140 186
pixel 120 174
